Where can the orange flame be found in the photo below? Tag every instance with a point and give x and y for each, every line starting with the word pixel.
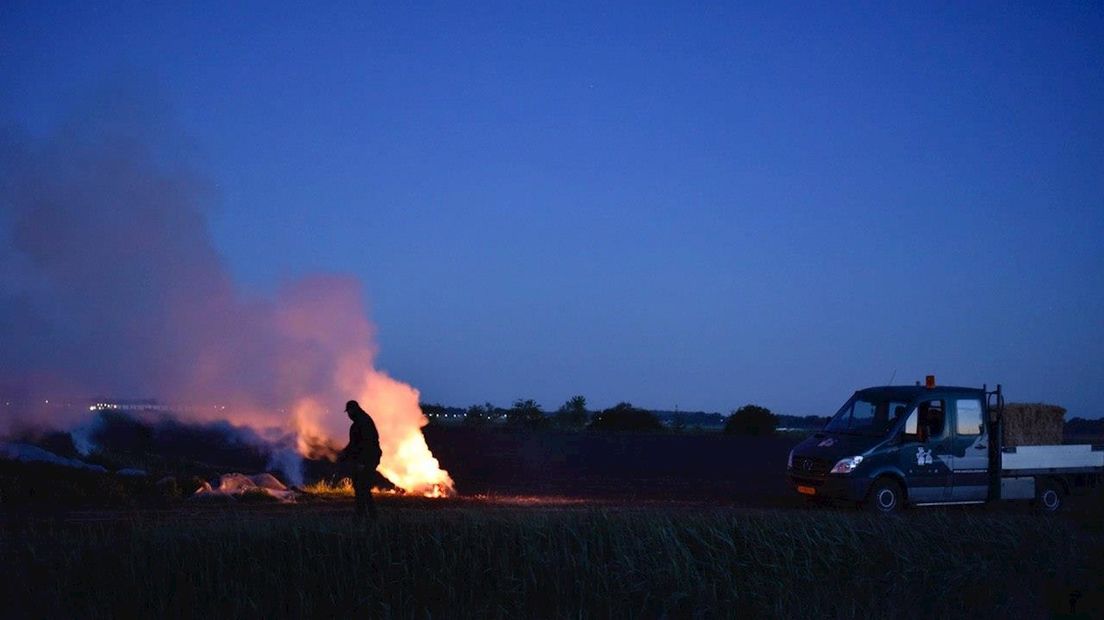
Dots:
pixel 334 344
pixel 407 461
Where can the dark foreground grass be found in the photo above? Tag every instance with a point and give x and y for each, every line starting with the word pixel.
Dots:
pixel 494 561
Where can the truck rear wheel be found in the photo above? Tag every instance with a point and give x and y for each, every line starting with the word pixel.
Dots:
pixel 1049 496
pixel 885 497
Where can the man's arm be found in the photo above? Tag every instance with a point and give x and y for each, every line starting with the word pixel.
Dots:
pixel 351 450
pixel 373 433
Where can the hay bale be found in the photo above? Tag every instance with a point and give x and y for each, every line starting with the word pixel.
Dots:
pixel 1032 424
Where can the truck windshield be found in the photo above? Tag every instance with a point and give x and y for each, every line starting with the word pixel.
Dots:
pixel 866 416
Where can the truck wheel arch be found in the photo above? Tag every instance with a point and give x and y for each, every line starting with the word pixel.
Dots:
pixel 1045 485
pixel 880 483
pixel 895 476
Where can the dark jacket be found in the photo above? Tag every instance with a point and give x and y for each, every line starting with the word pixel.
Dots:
pixel 364 446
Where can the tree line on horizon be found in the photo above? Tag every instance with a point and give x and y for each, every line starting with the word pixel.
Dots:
pixel 574 414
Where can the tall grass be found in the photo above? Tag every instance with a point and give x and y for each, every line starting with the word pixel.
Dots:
pixel 331 489
pixel 424 560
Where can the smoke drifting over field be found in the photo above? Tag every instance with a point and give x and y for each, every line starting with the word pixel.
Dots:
pixel 110 285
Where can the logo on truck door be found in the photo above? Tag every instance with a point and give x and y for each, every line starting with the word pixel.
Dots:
pixel 923 456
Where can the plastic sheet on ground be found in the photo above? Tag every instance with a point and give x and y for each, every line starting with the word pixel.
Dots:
pixel 237 485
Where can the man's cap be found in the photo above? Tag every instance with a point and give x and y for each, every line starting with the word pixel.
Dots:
pixel 352 405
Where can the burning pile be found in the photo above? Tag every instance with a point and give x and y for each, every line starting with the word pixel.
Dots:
pixel 109 271
pixel 407 461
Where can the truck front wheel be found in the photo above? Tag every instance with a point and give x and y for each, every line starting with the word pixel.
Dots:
pixel 885 497
pixel 1049 496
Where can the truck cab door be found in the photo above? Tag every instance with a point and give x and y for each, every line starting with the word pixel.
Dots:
pixel 925 453
pixel 970 458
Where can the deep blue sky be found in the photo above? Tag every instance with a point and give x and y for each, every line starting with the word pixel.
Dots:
pixel 700 207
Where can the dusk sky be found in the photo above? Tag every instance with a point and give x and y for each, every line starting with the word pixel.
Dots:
pixel 678 206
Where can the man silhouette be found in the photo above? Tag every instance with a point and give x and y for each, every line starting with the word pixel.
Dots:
pixel 363 455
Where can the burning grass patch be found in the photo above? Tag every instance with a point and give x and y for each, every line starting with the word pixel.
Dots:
pixel 456 559
pixel 328 489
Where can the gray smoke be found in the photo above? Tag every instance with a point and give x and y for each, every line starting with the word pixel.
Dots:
pixel 110 285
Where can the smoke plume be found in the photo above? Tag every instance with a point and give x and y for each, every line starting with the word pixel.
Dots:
pixel 110 285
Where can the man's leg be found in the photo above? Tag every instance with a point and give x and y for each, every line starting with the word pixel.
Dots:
pixel 368 477
pixel 363 495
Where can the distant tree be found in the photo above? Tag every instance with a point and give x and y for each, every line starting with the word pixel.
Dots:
pixel 525 413
pixel 678 422
pixel 815 421
pixel 625 417
pixel 751 420
pixel 480 415
pixel 1081 427
pixel 573 413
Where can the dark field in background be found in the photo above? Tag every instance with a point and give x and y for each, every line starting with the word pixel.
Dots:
pixel 463 558
pixel 688 466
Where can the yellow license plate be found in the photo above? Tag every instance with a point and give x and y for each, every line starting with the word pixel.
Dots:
pixel 806 490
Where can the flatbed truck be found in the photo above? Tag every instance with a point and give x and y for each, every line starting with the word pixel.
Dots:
pixel 895 446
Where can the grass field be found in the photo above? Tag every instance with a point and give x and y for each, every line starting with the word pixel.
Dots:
pixel 488 558
pixel 550 524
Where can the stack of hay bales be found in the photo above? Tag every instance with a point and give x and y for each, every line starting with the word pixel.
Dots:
pixel 1032 424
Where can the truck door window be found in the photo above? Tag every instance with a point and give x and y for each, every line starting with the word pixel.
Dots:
pixel 969 417
pixel 932 419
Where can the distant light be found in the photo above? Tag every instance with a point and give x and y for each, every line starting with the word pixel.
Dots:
pixel 47 401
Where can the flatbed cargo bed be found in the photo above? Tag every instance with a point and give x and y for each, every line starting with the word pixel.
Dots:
pixel 1052 458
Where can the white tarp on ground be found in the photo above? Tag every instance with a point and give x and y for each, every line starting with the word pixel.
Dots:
pixel 233 485
pixel 27 453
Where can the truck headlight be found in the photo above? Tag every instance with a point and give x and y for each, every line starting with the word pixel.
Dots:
pixel 789 461
pixel 847 465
